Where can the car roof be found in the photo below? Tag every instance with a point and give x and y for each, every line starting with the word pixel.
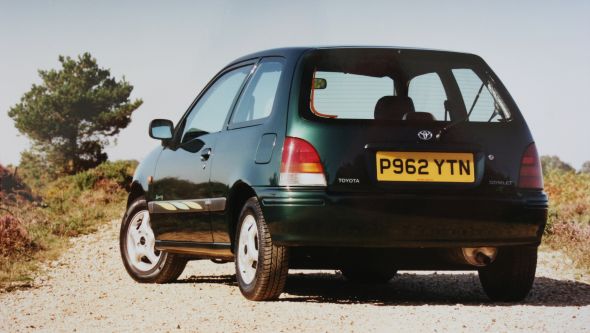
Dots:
pixel 298 50
pixel 283 52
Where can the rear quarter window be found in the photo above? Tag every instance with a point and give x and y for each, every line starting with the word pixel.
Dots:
pixel 257 100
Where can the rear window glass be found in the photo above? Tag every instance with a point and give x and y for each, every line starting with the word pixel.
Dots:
pixel 477 96
pixel 400 85
pixel 428 95
pixel 350 96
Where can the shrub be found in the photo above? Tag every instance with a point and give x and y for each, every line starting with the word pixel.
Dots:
pixel 119 172
pixel 13 237
pixel 12 188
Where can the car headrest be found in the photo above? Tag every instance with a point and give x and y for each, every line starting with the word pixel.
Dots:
pixel 393 107
pixel 419 116
pixel 451 108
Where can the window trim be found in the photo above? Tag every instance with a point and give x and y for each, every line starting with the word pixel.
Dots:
pixel 255 122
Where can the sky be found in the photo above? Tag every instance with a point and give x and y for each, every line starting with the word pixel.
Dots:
pixel 170 49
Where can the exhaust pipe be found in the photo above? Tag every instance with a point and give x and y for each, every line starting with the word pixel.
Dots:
pixel 480 256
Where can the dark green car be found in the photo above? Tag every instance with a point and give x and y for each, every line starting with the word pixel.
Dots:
pixel 365 160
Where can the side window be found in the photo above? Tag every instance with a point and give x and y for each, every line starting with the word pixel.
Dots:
pixel 348 96
pixel 428 94
pixel 210 112
pixel 477 97
pixel 257 100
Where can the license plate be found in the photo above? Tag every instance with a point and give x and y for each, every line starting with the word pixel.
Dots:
pixel 425 167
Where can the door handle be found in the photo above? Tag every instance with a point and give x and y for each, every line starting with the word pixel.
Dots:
pixel 206 154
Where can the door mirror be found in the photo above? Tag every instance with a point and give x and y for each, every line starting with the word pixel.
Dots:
pixel 161 129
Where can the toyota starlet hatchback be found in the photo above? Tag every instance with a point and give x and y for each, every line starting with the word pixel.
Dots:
pixel 359 159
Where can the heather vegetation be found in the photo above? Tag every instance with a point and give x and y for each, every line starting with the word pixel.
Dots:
pixel 36 223
pixel 568 227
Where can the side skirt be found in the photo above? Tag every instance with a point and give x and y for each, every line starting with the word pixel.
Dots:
pixel 199 250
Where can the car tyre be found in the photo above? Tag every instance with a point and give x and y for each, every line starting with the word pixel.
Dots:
pixel 510 277
pixel 261 266
pixel 369 273
pixel 142 261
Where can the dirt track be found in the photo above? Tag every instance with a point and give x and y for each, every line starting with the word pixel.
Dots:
pixel 89 290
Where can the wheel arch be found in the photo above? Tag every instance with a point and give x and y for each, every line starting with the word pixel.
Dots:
pixel 135 192
pixel 239 193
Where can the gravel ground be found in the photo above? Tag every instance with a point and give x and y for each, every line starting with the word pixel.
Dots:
pixel 88 290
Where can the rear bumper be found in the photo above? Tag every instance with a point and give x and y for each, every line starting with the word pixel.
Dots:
pixel 311 217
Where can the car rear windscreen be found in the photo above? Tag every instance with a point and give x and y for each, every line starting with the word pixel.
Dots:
pixel 392 84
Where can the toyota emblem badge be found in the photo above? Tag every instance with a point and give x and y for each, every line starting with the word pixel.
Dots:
pixel 425 135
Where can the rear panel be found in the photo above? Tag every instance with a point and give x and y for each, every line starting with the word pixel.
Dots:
pixel 375 114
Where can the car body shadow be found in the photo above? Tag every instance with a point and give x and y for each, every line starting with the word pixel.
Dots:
pixel 434 288
pixel 413 289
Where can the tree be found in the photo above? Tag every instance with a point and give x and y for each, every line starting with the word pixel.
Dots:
pixel 585 167
pixel 554 163
pixel 73 113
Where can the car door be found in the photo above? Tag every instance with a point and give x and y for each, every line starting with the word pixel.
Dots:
pixel 245 149
pixel 181 187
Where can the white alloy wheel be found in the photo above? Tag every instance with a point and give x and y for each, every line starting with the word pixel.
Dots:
pixel 141 243
pixel 248 249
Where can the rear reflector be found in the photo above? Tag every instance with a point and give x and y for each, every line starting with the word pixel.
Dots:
pixel 300 164
pixel 531 176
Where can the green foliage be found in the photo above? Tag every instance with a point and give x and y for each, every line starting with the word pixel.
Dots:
pixel 72 114
pixel 120 172
pixel 550 163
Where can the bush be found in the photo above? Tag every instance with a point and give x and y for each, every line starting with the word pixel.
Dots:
pixel 551 163
pixel 119 173
pixel 12 189
pixel 13 236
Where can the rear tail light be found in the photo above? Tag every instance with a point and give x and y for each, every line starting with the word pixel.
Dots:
pixel 531 176
pixel 300 164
